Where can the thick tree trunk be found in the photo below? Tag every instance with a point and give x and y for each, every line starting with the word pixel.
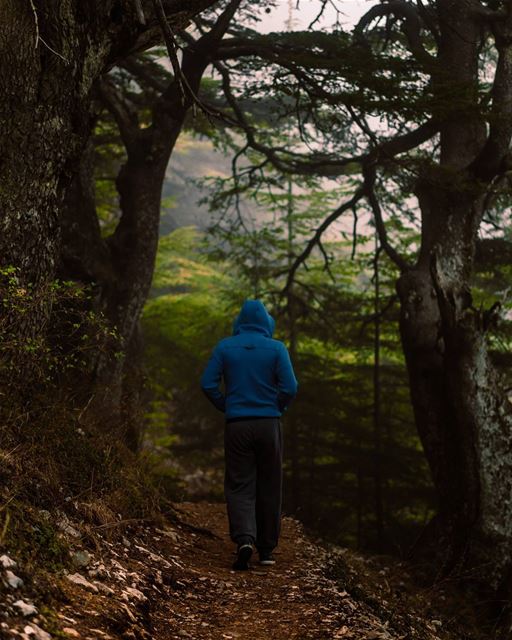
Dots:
pixel 50 55
pixel 462 414
pixel 84 254
pixel 133 250
pixel 133 246
pixel 120 267
pixel 44 102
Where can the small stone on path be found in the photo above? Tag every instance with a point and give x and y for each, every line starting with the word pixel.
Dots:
pixel 78 579
pixel 25 608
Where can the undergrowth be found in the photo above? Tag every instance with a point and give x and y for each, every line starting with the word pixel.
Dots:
pixel 59 462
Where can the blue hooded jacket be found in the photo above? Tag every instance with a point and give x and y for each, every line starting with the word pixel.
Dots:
pixel 258 374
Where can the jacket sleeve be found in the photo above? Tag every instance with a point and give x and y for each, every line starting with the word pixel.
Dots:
pixel 210 380
pixel 286 381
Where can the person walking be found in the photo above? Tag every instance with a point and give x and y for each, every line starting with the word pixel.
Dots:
pixel 259 384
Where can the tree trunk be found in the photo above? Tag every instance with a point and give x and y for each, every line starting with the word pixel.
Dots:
pixel 44 102
pixel 377 418
pixel 122 265
pixel 51 54
pixel 462 414
pixel 133 246
pixel 293 423
pixel 133 249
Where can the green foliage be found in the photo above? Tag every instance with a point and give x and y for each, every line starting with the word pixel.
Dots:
pixel 109 155
pixel 185 315
pixel 197 290
pixel 34 537
pixel 71 338
pixel 180 267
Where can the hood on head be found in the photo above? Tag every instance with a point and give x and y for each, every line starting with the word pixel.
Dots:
pixel 254 317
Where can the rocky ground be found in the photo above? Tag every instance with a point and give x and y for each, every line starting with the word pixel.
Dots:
pixel 145 580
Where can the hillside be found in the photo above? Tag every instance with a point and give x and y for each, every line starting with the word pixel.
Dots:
pixel 142 580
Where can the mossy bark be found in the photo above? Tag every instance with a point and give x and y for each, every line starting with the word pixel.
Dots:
pixel 462 411
pixel 121 266
pixel 51 53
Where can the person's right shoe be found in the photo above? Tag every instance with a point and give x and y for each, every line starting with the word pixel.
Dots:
pixel 267 558
pixel 244 554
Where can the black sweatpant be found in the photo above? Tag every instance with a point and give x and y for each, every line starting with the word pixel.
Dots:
pixel 253 480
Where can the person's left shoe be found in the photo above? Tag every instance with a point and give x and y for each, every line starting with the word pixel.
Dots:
pixel 244 554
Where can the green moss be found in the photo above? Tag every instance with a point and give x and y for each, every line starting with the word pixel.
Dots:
pixel 32 539
pixel 52 622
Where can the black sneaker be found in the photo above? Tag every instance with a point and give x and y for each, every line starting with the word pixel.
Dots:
pixel 244 554
pixel 267 558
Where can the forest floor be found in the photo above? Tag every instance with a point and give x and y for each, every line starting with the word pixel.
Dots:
pixel 157 581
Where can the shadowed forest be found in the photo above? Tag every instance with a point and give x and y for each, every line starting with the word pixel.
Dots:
pixel 349 165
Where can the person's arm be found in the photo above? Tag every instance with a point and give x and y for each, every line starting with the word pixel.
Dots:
pixel 210 381
pixel 286 381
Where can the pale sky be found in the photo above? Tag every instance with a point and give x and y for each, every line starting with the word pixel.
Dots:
pixel 278 19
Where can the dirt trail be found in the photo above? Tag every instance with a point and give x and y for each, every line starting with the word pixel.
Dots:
pixel 287 600
pixel 139 580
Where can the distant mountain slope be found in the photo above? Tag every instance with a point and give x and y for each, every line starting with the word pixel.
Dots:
pixel 192 158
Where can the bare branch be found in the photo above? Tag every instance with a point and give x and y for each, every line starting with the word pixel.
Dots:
pixel 411 26
pixel 354 233
pixel 321 12
pixel 125 116
pixel 494 157
pixel 370 175
pixel 316 164
pixel 300 259
pixel 219 29
pixel 141 69
pixel 195 59
pixel 171 45
pixel 320 164
pixel 327 266
pixel 140 12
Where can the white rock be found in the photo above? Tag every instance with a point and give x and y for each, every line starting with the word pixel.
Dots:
pixel 67 528
pixel 169 533
pixel 98 572
pixel 6 562
pixel 71 632
pixel 66 618
pixel 32 630
pixel 25 608
pixel 105 589
pixel 135 593
pixel 76 578
pixel 12 580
